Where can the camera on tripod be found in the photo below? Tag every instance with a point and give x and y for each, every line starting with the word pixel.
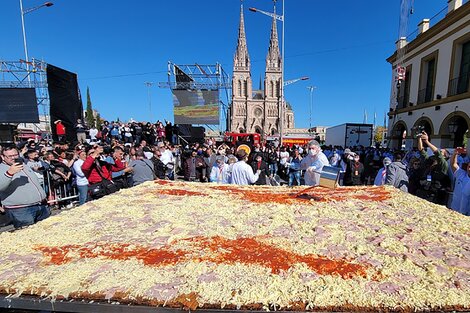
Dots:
pixel 418 130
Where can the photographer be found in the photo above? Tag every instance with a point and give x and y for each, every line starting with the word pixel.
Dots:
pixel 98 172
pixel 435 181
pixel 21 194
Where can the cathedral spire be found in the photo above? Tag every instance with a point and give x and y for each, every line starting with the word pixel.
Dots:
pixel 242 58
pixel 273 59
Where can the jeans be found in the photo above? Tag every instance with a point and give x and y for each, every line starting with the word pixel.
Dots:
pixel 82 194
pixel 292 175
pixel 273 169
pixel 27 216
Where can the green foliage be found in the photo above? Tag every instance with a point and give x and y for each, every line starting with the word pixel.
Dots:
pixel 90 118
pixel 99 121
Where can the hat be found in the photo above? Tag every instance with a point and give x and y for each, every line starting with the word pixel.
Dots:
pixel 347 151
pixel 57 121
pixel 387 161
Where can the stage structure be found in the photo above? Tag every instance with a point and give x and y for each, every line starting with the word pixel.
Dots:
pixel 200 93
pixel 15 74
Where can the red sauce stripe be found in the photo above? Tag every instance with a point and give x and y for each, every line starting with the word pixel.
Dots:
pixel 217 249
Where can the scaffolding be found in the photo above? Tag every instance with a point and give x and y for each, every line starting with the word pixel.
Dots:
pixel 200 77
pixel 22 74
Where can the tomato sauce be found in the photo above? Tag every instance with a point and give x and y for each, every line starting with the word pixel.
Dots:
pixel 217 249
pixel 318 194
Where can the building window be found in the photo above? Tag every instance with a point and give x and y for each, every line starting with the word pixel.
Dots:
pixel 239 88
pixel 403 97
pixel 245 88
pixel 278 88
pixel 461 69
pixel 427 78
pixel 271 89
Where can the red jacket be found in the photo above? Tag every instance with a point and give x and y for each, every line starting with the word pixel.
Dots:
pixel 89 168
pixel 60 128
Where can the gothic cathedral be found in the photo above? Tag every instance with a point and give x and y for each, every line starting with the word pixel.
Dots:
pixel 258 111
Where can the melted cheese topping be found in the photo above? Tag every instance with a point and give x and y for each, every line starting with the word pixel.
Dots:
pixel 415 254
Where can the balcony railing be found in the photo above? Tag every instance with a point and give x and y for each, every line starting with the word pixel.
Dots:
pixel 459 85
pixel 425 95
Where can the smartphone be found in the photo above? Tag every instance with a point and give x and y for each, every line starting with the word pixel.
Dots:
pixel 19 161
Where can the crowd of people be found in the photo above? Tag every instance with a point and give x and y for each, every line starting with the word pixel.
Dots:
pixel 122 155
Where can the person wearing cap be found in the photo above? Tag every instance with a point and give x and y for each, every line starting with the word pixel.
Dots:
pixel 313 163
pixel 242 173
pixel 382 173
pixel 220 172
pixel 81 131
pixel 21 194
pixel 60 130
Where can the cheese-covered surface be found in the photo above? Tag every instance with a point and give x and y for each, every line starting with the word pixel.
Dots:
pixel 215 246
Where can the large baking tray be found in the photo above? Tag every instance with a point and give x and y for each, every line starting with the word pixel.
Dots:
pixel 85 306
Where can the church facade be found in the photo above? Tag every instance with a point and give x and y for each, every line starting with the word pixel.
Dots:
pixel 258 111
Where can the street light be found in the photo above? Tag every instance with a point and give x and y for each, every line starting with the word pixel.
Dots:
pixel 311 88
pixel 23 13
pixel 281 19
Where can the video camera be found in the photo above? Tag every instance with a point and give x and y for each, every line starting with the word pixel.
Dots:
pixel 419 130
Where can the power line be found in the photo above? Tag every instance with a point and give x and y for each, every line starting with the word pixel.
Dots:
pixel 123 75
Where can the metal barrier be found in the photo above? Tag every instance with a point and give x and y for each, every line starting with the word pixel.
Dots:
pixel 58 192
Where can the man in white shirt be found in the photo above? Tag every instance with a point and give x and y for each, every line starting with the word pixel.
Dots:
pixel 167 159
pixel 242 173
pixel 313 163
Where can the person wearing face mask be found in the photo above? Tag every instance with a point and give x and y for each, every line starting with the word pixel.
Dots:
pixel 220 173
pixel 313 163
pixel 354 173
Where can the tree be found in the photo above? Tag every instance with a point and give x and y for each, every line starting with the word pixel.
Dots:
pixel 90 118
pixel 98 121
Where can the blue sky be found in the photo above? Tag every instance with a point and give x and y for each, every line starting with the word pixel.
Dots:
pixel 115 46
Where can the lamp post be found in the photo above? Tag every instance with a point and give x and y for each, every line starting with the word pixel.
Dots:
pixel 311 88
pixel 281 19
pixel 149 85
pixel 23 13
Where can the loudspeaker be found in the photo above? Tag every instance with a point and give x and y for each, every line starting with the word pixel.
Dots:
pixel 7 133
pixel 190 133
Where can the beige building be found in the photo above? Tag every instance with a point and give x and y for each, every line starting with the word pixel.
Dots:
pixel 435 95
pixel 258 111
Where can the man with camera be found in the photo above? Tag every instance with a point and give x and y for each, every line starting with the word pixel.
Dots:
pixel 435 181
pixel 21 194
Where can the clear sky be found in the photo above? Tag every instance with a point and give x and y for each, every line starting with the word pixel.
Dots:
pixel 115 46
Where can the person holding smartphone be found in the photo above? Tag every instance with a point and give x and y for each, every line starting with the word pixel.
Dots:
pixel 21 194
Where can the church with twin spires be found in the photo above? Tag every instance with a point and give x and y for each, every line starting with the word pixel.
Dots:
pixel 258 111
